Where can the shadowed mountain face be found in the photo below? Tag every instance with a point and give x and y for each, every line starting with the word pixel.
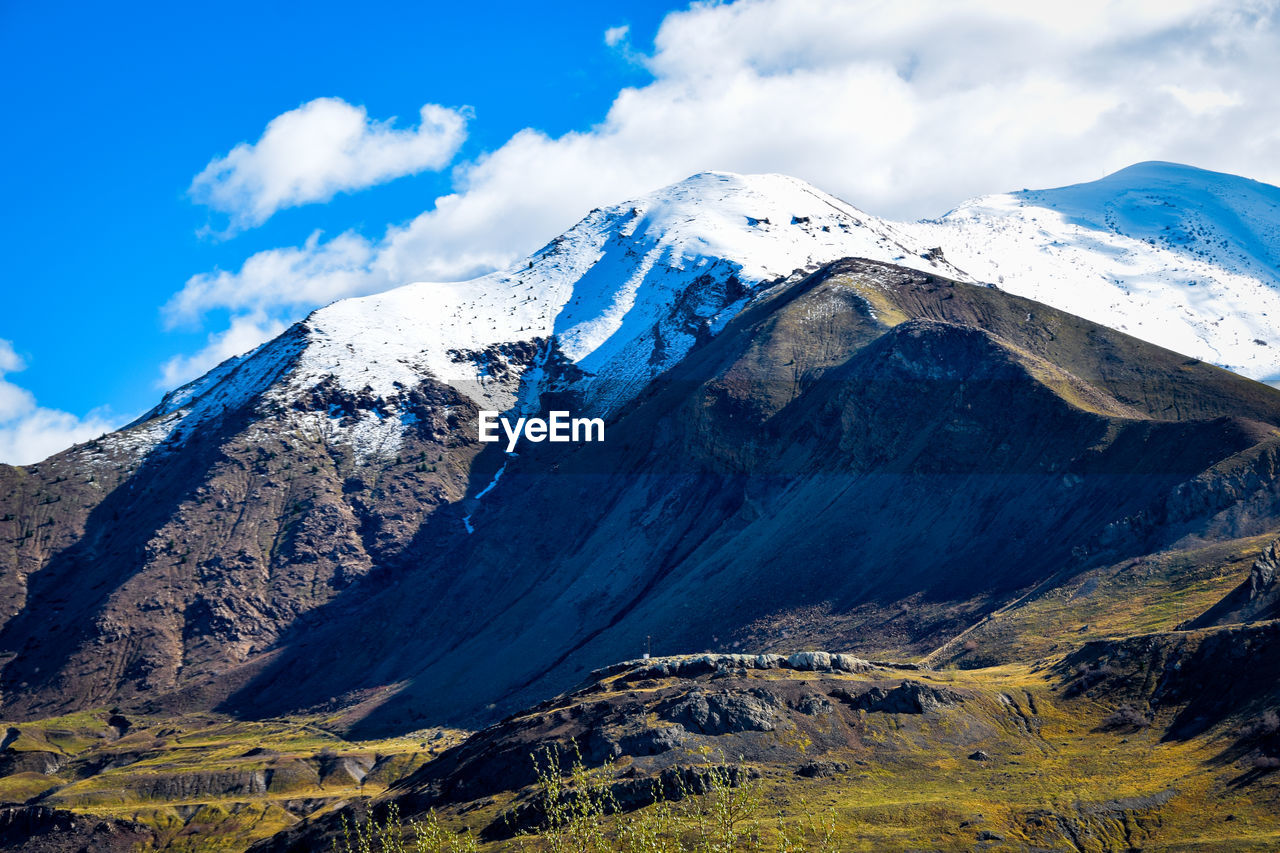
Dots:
pixel 869 458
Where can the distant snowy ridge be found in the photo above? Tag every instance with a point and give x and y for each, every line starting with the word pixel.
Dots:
pixel 1182 257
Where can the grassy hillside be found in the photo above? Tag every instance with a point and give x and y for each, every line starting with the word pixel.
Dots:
pixel 202 782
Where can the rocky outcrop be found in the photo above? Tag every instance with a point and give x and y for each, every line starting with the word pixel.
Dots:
pixel 909 697
pixel 35 829
pixel 1262 576
pixel 31 761
pixel 822 769
pixel 1206 675
pixel 721 713
pixel 692 666
pixel 1256 599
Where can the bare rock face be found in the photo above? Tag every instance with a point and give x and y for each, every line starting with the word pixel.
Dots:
pixel 1262 576
pixel 35 829
pixel 31 761
pixel 691 666
pixel 909 697
pixel 167 572
pixel 725 712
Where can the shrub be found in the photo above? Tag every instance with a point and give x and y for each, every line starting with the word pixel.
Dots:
pixel 1088 676
pixel 580 814
pixel 388 836
pixel 1126 717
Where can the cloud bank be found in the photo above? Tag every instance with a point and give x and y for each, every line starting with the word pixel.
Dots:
pixel 902 109
pixel 30 433
pixel 324 147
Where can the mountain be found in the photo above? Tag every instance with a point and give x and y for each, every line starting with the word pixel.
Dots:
pixel 1182 257
pixel 916 452
pixel 233 541
pixel 258 492
pixel 612 302
pixel 821 433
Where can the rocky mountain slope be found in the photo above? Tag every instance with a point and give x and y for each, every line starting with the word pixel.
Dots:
pixel 909 440
pixel 916 452
pixel 257 493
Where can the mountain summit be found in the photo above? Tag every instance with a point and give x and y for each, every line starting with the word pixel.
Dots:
pixel 600 310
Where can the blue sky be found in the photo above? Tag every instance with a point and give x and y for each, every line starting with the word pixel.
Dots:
pixel 114 108
pixel 119 282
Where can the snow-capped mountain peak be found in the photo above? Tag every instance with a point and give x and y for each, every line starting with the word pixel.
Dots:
pixel 605 285
pixel 602 309
pixel 1176 255
pixel 1183 257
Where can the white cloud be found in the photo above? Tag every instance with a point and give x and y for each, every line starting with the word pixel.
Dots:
pixel 616 35
pixel 311 274
pixel 903 109
pixel 30 433
pixel 324 147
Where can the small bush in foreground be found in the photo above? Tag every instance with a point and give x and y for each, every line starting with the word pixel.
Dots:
pixel 388 836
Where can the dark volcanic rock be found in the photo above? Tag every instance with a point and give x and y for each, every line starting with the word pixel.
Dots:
pixel 653 740
pixel 822 769
pixel 909 697
pixel 1262 577
pixel 34 829
pixel 30 761
pixel 717 713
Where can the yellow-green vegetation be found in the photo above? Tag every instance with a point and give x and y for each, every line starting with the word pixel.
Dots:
pixel 204 781
pixel 581 814
pixel 1155 592
pixel 878 297
pixel 1055 773
pixel 20 787
pixel 1016 765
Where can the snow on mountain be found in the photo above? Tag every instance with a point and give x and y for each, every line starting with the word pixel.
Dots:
pixel 1178 256
pixel 605 290
pixel 602 309
pixel 1181 257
